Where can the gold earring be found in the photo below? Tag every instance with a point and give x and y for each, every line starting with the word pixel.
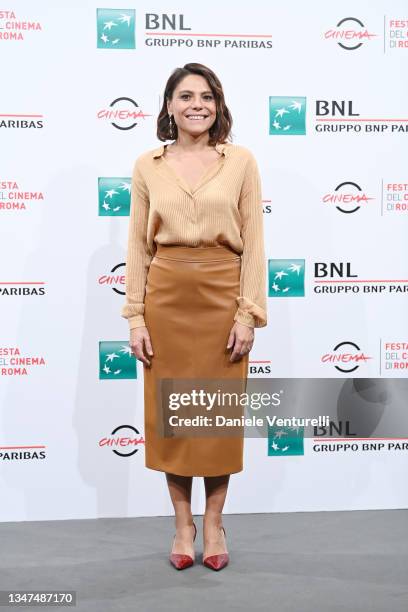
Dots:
pixel 171 126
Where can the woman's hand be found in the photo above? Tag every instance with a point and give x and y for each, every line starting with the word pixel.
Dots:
pixel 241 338
pixel 139 340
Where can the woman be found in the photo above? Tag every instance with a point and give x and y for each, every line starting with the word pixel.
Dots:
pixel 195 286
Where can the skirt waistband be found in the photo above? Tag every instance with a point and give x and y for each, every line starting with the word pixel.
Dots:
pixel 185 253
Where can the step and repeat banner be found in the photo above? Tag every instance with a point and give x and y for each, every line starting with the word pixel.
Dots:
pixel 318 93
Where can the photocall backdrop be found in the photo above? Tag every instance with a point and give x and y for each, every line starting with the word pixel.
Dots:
pixel 318 93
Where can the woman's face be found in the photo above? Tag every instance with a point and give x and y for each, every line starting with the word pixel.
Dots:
pixel 193 105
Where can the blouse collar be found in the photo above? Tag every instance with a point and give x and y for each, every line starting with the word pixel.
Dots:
pixel 222 148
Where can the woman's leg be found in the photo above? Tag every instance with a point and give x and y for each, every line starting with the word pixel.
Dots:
pixel 216 488
pixel 180 493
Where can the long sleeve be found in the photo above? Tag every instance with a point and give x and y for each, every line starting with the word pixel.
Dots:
pixel 252 307
pixel 138 255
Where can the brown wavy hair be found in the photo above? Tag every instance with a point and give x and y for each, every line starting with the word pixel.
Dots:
pixel 220 131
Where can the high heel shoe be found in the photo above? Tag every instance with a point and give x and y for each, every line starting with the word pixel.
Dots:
pixel 181 561
pixel 217 562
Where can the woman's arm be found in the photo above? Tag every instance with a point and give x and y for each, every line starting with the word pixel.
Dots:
pixel 252 307
pixel 138 255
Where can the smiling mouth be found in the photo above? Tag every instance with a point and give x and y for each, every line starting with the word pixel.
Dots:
pixel 197 117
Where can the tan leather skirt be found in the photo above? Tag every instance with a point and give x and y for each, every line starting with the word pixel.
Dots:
pixel 190 304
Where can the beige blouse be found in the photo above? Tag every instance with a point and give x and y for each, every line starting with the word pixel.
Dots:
pixel 224 208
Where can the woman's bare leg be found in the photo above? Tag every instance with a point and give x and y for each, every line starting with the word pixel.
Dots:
pixel 180 493
pixel 216 488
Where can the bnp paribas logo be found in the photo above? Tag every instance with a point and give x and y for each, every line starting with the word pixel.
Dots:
pixel 116 360
pixel 286 277
pixel 114 196
pixel 285 441
pixel 115 28
pixel 287 116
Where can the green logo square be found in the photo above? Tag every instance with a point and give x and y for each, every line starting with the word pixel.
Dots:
pixel 287 116
pixel 115 28
pixel 285 441
pixel 116 360
pixel 114 196
pixel 286 277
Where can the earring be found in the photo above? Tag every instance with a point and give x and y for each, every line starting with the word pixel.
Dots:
pixel 171 126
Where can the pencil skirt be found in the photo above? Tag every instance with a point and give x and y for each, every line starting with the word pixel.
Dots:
pixel 190 303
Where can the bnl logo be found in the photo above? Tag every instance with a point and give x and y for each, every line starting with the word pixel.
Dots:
pixel 114 195
pixel 286 277
pixel 285 441
pixel 287 115
pixel 116 360
pixel 115 28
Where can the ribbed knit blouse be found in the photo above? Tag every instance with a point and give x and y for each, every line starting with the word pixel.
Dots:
pixel 224 208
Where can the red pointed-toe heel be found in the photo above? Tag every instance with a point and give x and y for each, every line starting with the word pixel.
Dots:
pixel 217 562
pixel 180 561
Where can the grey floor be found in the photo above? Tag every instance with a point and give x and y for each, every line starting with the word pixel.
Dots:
pixel 297 562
